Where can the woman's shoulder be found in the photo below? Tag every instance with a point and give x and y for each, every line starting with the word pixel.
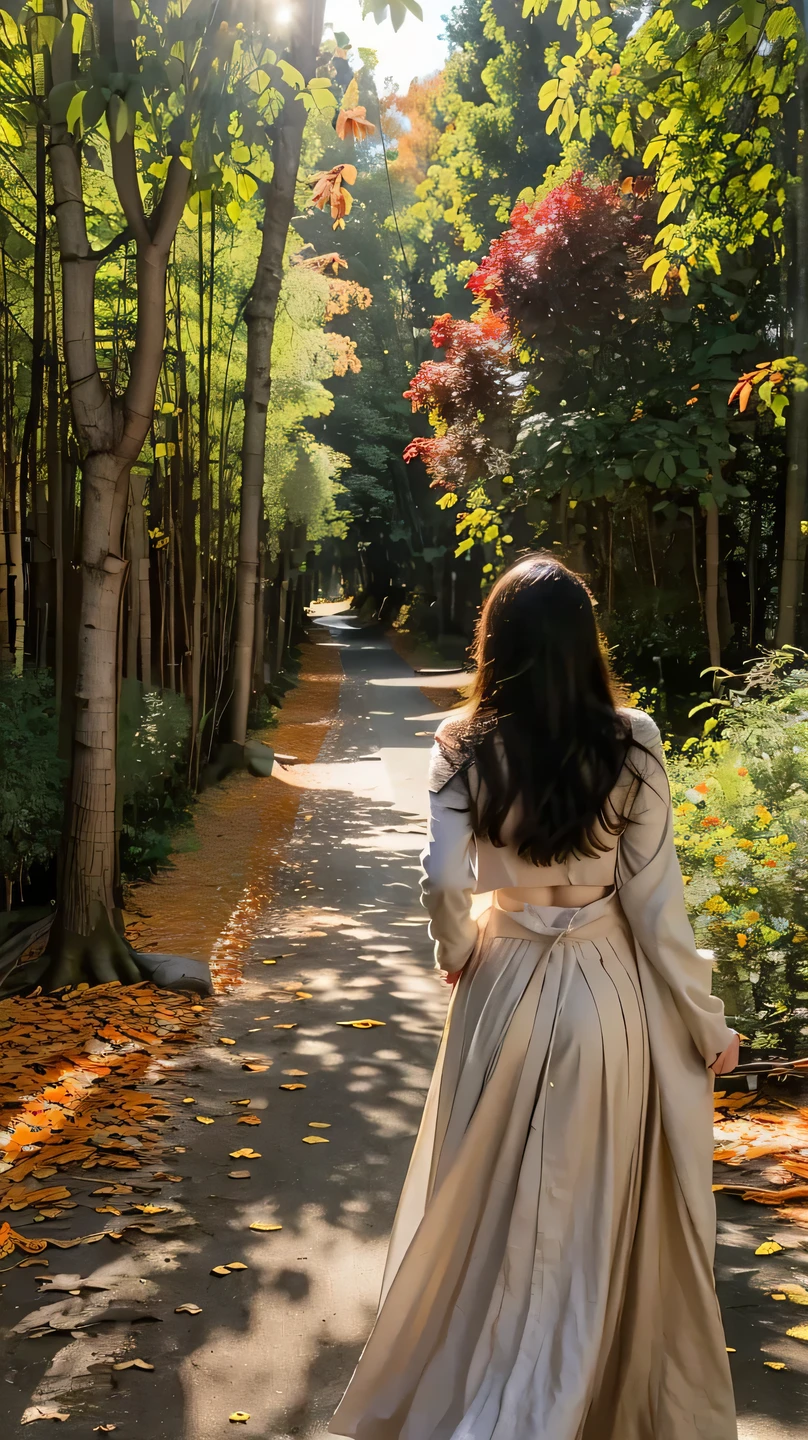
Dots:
pixel 644 729
pixel 451 754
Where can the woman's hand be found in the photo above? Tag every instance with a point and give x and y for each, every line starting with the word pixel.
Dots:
pixel 728 1059
pixel 451 980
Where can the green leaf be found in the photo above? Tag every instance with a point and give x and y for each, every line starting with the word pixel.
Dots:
pixel 117 118
pixel 292 76
pixel 59 101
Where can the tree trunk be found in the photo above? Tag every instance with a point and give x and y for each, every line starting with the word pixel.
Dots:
pixel 279 202
pixel 711 584
pixel 792 568
pixel 85 939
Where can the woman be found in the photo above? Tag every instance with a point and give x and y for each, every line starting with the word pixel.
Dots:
pixel 550 1269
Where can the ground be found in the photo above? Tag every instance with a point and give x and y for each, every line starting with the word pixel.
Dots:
pixel 304 891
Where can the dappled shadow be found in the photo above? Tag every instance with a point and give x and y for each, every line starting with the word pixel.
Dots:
pixel 341 938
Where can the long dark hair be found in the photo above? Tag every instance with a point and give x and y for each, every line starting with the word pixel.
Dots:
pixel 543 724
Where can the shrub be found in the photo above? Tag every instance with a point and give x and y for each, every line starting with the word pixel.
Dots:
pixel 740 798
pixel 31 776
pixel 154 794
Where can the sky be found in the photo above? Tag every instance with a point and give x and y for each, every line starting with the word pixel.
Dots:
pixel 414 51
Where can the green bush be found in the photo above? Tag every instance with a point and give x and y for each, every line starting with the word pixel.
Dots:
pixel 31 776
pixel 740 796
pixel 154 795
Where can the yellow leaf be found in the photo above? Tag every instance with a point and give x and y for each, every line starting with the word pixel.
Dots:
pixel 320 1124
pixel 204 1120
pixel 298 1086
pixel 769 1247
pixel 188 1310
pixel 223 1040
pixel 264 1225
pixel 777 1297
pixel 237 1265
pixel 285 1027
pixel 798 1332
pixel 248 1120
pixel 248 1154
pixel 774 1364
pixel 220 1270
pixel 255 1069
pixel 659 275
pixel 315 1140
pixel 239 1417
pixel 669 203
pixel 361 1024
pixel 303 994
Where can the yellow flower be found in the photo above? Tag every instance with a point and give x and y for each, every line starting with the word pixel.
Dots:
pixel 716 905
pixel 745 845
pixel 720 860
pixel 740 940
pixel 753 890
pixel 751 917
pixel 764 815
pixel 685 808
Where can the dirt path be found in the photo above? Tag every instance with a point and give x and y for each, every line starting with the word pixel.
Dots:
pixel 304 889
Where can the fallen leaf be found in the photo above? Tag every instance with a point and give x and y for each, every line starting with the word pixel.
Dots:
pixel 189 1100
pixel 362 1024
pixel 133 1365
pixel 285 1027
pixel 264 1225
pixel 188 1309
pixel 315 1140
pixel 204 1120
pixel 153 1209
pixel 774 1364
pixel 103 1429
pixel 246 1154
pixel 220 1270
pixel 798 1332
pixel 223 1040
pixel 263 1017
pixel 778 1297
pixel 241 1102
pixel 237 1265
pixel 797 1293
pixel 38 1412
pixel 269 962
pixel 248 1120
pixel 769 1247
pixel 24 1264
pixel 255 1069
pixel 320 1124
pixel 245 1175
pixel 295 1072
pixel 303 994
pixel 296 1086
pixel 239 1417
pixel 161 1175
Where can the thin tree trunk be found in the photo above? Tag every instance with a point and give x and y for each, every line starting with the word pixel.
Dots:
pixel 112 433
pixel 792 568
pixel 711 584
pixel 279 200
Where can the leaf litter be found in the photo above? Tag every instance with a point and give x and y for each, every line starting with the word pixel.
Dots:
pixel 761 1151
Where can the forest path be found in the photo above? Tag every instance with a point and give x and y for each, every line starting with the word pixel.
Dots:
pixel 337 909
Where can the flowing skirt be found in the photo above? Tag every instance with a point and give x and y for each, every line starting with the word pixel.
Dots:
pixel 541 1281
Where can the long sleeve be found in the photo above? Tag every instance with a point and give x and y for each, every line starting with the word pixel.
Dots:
pixel 652 898
pixel 449 877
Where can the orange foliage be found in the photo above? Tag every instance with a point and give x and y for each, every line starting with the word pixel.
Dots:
pixel 418 136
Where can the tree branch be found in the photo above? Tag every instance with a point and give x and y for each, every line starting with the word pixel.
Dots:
pixel 168 212
pixel 124 174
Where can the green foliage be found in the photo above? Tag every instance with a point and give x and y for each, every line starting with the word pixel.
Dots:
pixel 740 797
pixel 31 774
pixel 699 94
pixel 152 761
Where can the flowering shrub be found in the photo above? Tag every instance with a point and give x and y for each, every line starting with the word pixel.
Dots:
pixel 740 799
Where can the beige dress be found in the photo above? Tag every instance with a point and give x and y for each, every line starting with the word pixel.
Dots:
pixel 549 1275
